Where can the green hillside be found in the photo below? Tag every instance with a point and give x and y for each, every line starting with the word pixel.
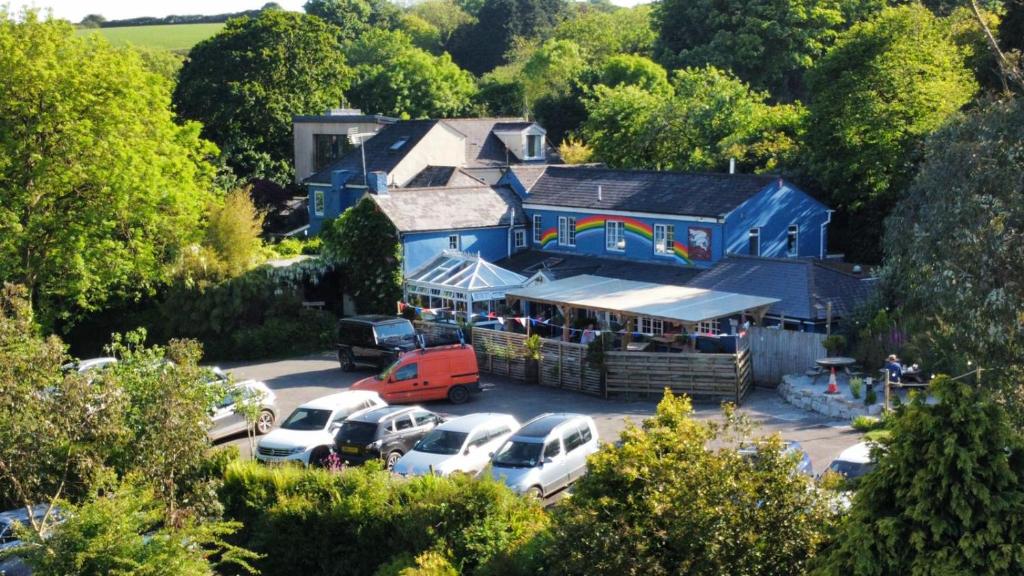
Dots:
pixel 176 37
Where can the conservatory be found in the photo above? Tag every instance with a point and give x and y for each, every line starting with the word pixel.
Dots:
pixel 462 285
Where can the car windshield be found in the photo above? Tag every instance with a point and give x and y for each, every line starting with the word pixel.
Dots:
pixel 307 419
pixel 519 454
pixel 398 330
pixel 441 442
pixel 851 470
pixel 387 371
pixel 357 433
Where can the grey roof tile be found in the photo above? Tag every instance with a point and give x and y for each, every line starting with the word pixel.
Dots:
pixel 380 157
pixel 450 208
pixel 707 195
pixel 557 265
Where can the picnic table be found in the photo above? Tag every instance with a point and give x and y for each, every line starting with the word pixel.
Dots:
pixel 825 365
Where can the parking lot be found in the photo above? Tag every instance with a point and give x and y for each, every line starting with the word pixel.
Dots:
pixel 298 380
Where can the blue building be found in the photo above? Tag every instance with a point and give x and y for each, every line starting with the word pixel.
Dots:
pixel 416 154
pixel 668 217
pixel 484 220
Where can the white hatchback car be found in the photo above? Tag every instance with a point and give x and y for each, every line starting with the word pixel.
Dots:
pixel 462 444
pixel 307 435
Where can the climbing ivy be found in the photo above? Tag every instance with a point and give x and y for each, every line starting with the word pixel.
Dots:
pixel 367 244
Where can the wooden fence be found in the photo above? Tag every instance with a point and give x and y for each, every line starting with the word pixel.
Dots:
pixel 779 352
pixel 718 376
pixel 564 365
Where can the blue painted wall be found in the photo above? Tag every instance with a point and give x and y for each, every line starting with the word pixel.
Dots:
pixel 341 194
pixel 773 210
pixel 421 247
pixel 590 237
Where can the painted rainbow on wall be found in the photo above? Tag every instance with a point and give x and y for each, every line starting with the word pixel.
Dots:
pixel 597 223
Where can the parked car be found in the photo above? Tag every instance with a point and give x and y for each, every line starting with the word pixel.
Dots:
pixel 383 434
pixel 227 420
pixel 853 463
pixel 89 364
pixel 427 374
pixel 374 340
pixel 547 454
pixel 307 435
pixel 11 564
pixel 803 465
pixel 462 444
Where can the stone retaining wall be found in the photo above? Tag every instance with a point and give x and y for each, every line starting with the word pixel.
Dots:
pixel 798 391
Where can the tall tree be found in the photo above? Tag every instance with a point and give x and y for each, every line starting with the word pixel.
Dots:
pixel 246 83
pixel 394 77
pixel 601 34
pixel 353 17
pixel 99 187
pixel 947 495
pixel 876 95
pixel 767 43
pixel 660 502
pixel 636 71
pixel 445 16
pixel 955 247
pixel 711 118
pixel 483 46
pixel 366 243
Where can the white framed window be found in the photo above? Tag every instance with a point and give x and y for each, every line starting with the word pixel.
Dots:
pixel 793 240
pixel 533 146
pixel 615 235
pixel 566 230
pixel 707 327
pixel 520 238
pixel 318 202
pixel 538 228
pixel 652 326
pixel 664 239
pixel 454 242
pixel 754 242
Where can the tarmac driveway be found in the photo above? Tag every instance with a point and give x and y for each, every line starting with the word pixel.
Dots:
pixel 299 380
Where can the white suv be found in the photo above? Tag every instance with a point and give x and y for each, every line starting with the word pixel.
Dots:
pixel 460 445
pixel 308 434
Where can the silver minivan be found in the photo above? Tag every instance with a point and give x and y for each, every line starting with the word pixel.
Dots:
pixel 547 454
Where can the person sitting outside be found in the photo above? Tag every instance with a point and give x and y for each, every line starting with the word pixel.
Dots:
pixel 892 364
pixel 588 335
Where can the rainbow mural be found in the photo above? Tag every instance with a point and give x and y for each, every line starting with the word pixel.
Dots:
pixel 633 226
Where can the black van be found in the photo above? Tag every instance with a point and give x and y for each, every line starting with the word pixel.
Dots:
pixel 376 340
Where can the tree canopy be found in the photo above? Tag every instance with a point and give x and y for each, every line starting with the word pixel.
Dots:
pixel 947 494
pixel 482 46
pixel 767 43
pixel 245 84
pixel 366 243
pixel 353 17
pixel 99 186
pixel 396 78
pixel 886 85
pixel 601 34
pixel 711 118
pixel 954 245
pixel 661 503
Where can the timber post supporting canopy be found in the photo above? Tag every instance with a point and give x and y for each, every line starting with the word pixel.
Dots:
pixel 467 281
pixel 643 299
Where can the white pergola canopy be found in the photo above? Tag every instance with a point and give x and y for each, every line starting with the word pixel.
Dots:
pixel 664 301
pixel 461 277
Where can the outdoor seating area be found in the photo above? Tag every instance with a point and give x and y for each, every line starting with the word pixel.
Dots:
pixel 460 286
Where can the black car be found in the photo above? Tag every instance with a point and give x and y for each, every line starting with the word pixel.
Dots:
pixel 373 340
pixel 385 433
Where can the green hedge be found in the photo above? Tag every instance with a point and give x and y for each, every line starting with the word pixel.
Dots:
pixel 362 520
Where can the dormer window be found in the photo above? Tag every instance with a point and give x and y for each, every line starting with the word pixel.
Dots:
pixel 398 144
pixel 533 146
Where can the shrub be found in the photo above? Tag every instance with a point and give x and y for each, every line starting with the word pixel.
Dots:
pixel 871 397
pixel 867 423
pixel 855 387
pixel 834 344
pixel 362 519
pixel 288 247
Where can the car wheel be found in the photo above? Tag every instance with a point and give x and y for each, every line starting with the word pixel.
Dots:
pixel 319 457
pixel 535 493
pixel 264 422
pixel 392 459
pixel 348 363
pixel 458 395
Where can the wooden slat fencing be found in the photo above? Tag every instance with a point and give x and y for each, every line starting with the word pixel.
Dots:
pixel 501 353
pixel 717 376
pixel 564 365
pixel 779 352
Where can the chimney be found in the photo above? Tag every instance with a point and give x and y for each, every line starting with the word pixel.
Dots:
pixel 732 165
pixel 377 182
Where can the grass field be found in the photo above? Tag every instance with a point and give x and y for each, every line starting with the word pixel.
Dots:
pixel 175 37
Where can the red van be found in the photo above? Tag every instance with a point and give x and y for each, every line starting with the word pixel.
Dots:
pixel 427 374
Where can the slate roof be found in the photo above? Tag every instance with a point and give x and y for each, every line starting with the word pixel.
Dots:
pixel 379 155
pixel 803 286
pixel 432 176
pixel 483 148
pixel 512 126
pixel 450 208
pixel 687 194
pixel 557 265
pixel 528 174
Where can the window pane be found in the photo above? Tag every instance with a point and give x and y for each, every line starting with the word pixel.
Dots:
pixel 406 372
pixel 572 231
pixel 538 225
pixel 552 449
